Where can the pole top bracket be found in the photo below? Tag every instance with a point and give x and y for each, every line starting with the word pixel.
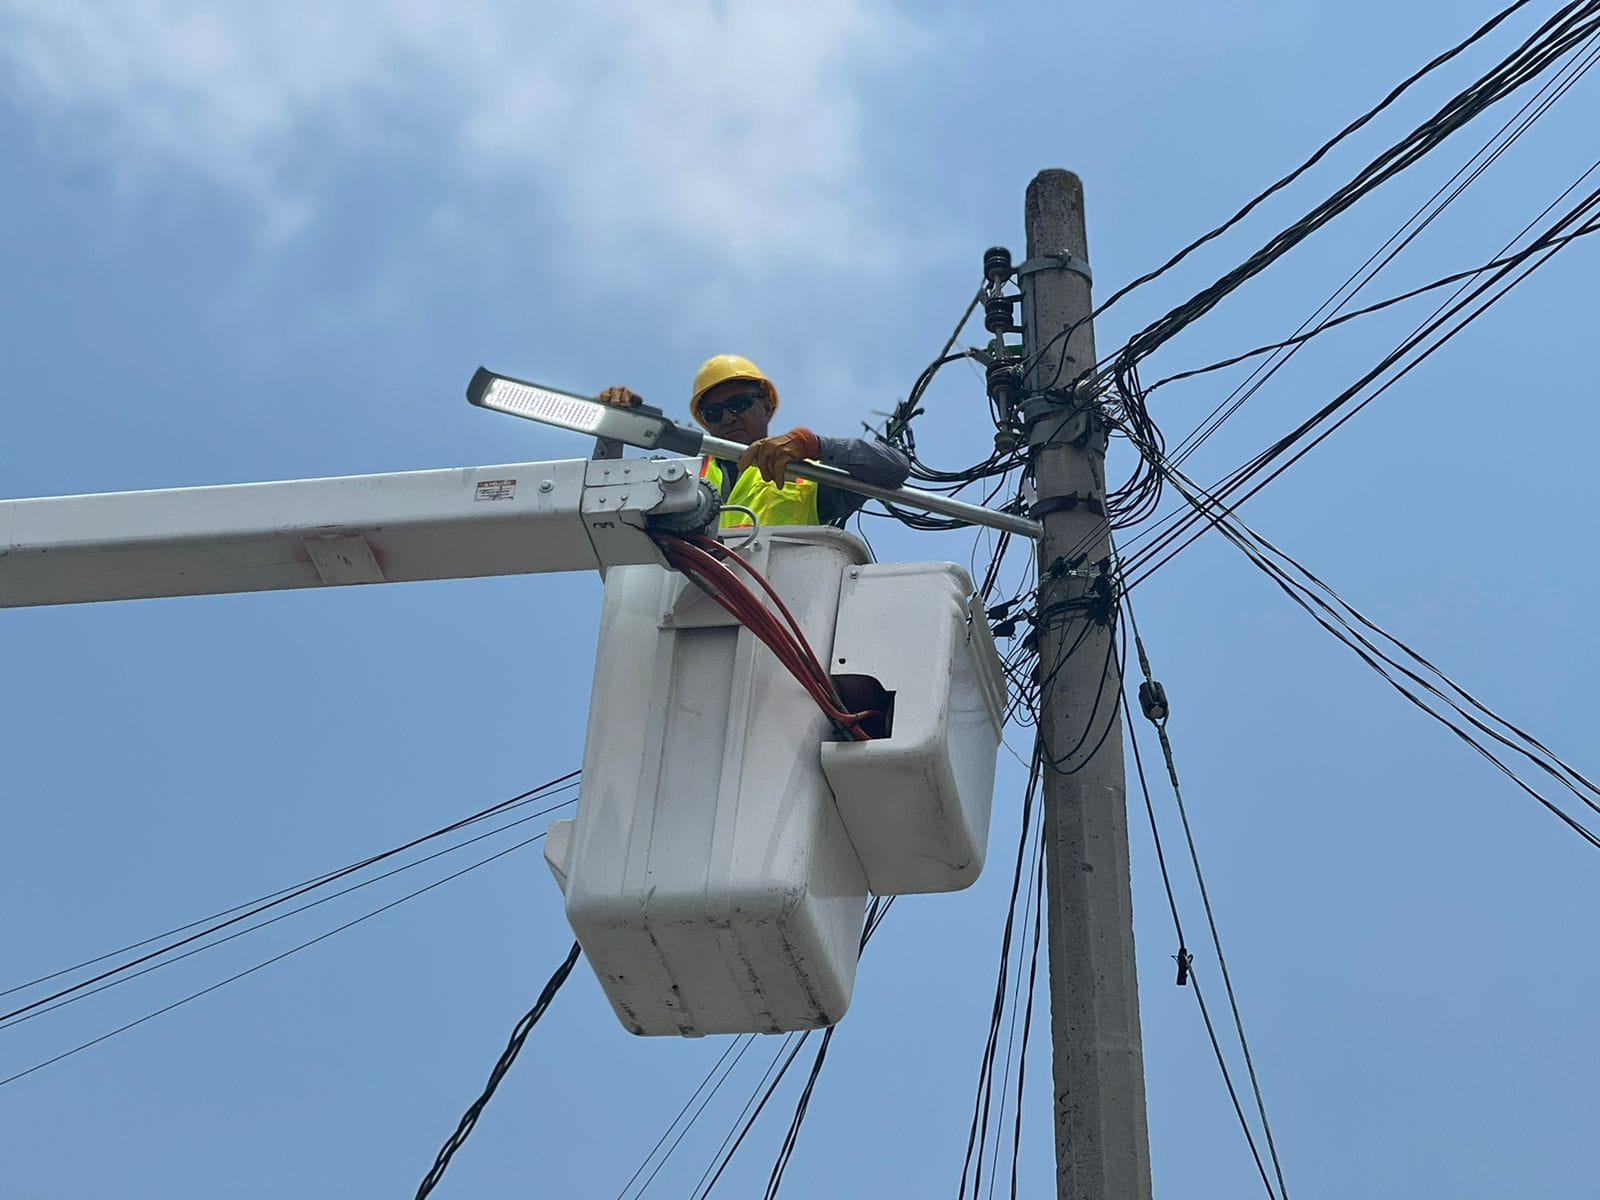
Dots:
pixel 1057 262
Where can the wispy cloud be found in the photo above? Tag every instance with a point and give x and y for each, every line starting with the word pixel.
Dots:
pixel 701 126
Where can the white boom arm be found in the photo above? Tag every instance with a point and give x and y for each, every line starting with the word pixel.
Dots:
pixel 524 518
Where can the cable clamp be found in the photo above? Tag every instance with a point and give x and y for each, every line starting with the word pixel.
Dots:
pixel 1153 700
pixel 1057 262
pixel 1065 504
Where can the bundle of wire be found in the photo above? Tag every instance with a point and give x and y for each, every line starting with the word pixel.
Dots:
pixel 704 561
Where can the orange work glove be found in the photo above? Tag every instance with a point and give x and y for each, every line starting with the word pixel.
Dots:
pixel 772 455
pixel 621 397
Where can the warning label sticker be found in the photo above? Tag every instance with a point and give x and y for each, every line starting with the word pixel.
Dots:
pixel 496 489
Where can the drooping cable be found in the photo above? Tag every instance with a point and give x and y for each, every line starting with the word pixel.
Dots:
pixel 1514 128
pixel 740 1044
pixel 243 912
pixel 749 1124
pixel 1410 674
pixel 277 958
pixel 877 910
pixel 1551 44
pixel 1568 28
pixel 744 1120
pixel 519 1035
pixel 1185 961
pixel 1033 893
pixel 203 946
pixel 1319 154
pixel 802 1106
pixel 1159 720
pixel 978 1133
pixel 1447 321
pixel 1027 1017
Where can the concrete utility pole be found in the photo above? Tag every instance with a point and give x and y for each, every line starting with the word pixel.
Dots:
pixel 1102 1143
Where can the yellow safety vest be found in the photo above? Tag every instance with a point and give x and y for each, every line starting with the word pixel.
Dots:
pixel 795 503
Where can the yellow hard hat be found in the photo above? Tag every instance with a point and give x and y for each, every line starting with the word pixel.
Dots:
pixel 723 368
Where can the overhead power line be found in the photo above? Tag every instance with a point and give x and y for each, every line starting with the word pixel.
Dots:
pixel 1138 497
pixel 1158 714
pixel 1564 31
pixel 1514 128
pixel 277 958
pixel 243 912
pixel 519 1035
pixel 201 947
pixel 1411 674
pixel 1466 305
pixel 1318 155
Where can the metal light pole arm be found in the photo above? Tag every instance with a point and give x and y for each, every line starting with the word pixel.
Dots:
pixel 906 497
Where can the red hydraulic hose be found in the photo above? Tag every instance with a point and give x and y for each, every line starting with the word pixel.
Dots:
pixel 723 555
pixel 789 645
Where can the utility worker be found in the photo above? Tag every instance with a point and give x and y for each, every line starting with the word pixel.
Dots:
pixel 733 399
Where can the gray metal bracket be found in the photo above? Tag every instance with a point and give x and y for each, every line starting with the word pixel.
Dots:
pixel 1057 262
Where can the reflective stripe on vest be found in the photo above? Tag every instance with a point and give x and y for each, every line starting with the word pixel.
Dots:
pixel 795 503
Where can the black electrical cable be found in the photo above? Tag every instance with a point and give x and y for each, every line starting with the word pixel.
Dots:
pixel 1321 152
pixel 118 980
pixel 741 1044
pixel 1186 966
pixel 876 913
pixel 1160 722
pixel 1219 496
pixel 1316 157
pixel 1256 548
pixel 744 1112
pixel 977 1134
pixel 744 1042
pixel 1027 1018
pixel 1532 256
pixel 271 900
pixel 750 1123
pixel 519 1035
pixel 1506 136
pixel 786 1151
pixel 1170 528
pixel 1035 899
pixel 269 962
pixel 1138 497
pixel 1300 339
pixel 1566 29
pixel 1570 27
pixel 1111 716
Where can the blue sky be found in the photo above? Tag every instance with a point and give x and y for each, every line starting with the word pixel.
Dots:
pixel 246 243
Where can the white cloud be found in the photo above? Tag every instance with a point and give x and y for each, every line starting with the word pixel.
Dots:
pixel 698 126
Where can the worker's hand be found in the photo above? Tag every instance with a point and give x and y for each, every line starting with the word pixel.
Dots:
pixel 772 455
pixel 621 397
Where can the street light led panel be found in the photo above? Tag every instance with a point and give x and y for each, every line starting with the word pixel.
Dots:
pixel 647 429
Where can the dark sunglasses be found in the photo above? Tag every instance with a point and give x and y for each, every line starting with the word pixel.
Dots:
pixel 712 413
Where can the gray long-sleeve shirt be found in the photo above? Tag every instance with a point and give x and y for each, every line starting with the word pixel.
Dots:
pixel 867 460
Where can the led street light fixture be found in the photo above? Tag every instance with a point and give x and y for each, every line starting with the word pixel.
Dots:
pixel 644 427
pixel 649 429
